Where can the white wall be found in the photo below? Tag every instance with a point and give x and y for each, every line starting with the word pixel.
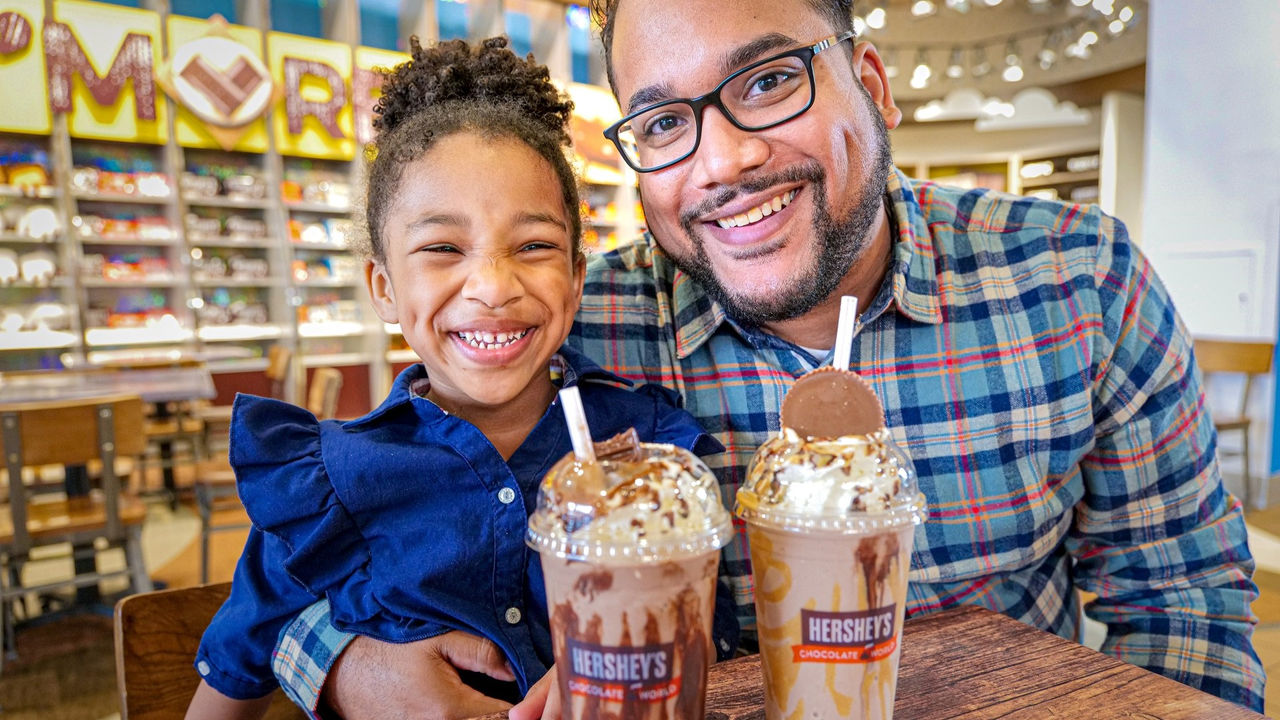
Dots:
pixel 1212 198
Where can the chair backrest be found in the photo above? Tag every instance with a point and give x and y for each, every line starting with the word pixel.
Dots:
pixel 70 432
pixel 1246 357
pixel 157 635
pixel 322 398
pixel 277 368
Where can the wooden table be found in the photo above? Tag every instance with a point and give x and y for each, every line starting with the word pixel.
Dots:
pixel 974 664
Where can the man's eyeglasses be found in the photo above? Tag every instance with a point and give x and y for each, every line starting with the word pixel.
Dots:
pixel 759 96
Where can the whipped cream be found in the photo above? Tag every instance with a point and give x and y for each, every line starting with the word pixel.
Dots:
pixel 661 505
pixel 825 477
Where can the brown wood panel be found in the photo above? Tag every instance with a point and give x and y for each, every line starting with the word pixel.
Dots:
pixel 157 635
pixel 1239 356
pixel 65 432
pixel 56 518
pixel 974 664
pixel 229 383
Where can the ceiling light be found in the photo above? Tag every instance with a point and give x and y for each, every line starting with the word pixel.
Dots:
pixel 1080 3
pixel 992 3
pixel 960 6
pixel 981 65
pixel 1115 27
pixel 955 66
pixel 1013 63
pixel 922 73
pixel 1088 38
pixel 859 25
pixel 921 8
pixel 1106 7
pixel 875 18
pixel 891 63
pixel 1126 13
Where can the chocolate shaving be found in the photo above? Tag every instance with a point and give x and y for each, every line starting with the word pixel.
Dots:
pixel 623 447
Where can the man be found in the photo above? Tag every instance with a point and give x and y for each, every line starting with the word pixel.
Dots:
pixel 1024 351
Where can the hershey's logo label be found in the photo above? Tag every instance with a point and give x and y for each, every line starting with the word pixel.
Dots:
pixel 630 666
pixel 840 629
pixel 846 637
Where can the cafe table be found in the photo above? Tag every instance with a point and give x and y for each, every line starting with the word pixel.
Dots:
pixel 974 664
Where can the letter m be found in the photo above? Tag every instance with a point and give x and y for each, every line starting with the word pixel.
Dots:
pixel 65 58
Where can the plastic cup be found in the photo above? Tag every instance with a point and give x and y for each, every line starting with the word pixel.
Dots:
pixel 630 556
pixel 830 525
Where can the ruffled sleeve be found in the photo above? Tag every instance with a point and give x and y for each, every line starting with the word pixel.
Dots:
pixel 280 474
pixel 674 425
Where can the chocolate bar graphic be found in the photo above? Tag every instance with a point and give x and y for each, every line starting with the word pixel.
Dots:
pixel 226 90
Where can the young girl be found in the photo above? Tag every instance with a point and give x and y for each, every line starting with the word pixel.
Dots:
pixel 411 519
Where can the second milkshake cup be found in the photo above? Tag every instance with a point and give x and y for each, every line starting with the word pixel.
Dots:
pixel 630 552
pixel 831 507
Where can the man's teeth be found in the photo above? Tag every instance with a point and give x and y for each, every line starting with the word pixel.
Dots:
pixel 756 214
pixel 491 341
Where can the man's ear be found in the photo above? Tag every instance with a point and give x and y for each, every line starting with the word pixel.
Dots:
pixel 870 71
pixel 381 292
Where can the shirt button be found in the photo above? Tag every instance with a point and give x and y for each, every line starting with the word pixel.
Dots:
pixel 203 667
pixel 513 615
pixel 506 495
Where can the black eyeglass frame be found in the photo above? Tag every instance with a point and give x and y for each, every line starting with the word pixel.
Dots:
pixel 712 99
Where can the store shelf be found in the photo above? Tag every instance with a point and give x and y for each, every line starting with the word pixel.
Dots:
pixel 98 337
pixel 333 329
pixel 227 242
pixel 229 365
pixel 122 198
pixel 1060 179
pixel 311 361
pixel 401 356
pixel 332 283
pixel 236 282
pixel 36 340
pixel 326 247
pixel 13 238
pixel 147 282
pixel 43 192
pixel 241 333
pixel 131 240
pixel 226 202
pixel 322 208
pixel 57 282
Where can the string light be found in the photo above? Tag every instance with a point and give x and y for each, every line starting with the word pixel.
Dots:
pixel 923 8
pixel 981 65
pixel 1046 56
pixel 1012 63
pixel 875 18
pixel 955 66
pixel 922 73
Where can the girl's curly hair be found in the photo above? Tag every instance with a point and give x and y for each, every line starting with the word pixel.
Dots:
pixel 453 87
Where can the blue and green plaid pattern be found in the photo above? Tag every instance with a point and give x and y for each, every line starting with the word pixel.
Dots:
pixel 1032 364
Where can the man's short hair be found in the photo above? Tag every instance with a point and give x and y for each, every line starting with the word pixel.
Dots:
pixel 838 12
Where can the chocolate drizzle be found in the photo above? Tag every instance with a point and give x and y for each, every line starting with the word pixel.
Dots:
pixel 875 555
pixel 692 644
pixel 591 583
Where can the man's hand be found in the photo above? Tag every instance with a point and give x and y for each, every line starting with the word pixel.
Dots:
pixel 542 702
pixel 388 681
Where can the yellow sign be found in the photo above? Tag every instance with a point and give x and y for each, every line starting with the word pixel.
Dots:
pixel 366 86
pixel 26 102
pixel 99 64
pixel 314 118
pixel 221 87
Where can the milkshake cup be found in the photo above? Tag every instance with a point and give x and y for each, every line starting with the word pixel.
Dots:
pixel 630 551
pixel 831 506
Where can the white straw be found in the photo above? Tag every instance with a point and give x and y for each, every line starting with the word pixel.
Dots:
pixel 579 432
pixel 844 331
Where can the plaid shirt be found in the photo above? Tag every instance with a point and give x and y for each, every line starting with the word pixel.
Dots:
pixel 1032 364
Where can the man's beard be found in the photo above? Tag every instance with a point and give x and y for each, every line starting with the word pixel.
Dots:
pixel 840 241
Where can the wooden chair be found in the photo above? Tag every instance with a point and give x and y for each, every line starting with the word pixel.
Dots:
pixel 322 398
pixel 1249 359
pixel 215 484
pixel 157 635
pixel 70 433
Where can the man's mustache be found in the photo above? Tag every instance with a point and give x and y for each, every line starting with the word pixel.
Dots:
pixel 809 171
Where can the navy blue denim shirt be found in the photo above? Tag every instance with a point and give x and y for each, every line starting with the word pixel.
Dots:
pixel 409 522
